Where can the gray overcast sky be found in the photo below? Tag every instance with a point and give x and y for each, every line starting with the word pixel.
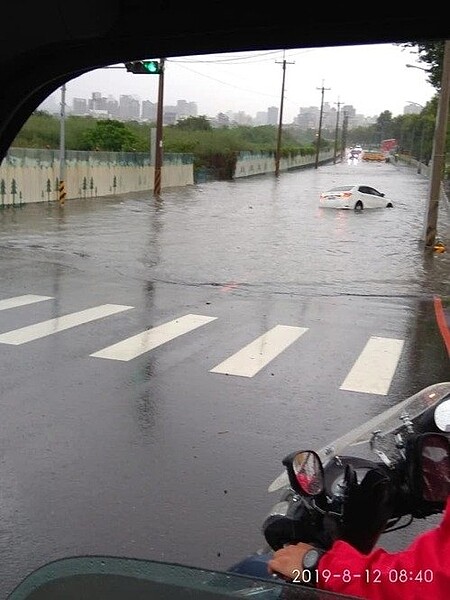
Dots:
pixel 372 78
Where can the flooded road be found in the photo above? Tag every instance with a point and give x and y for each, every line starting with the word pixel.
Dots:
pixel 266 234
pixel 148 448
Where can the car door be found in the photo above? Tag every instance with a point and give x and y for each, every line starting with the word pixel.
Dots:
pixel 371 198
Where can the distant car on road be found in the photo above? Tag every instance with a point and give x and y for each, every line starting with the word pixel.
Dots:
pixel 353 156
pixel 354 197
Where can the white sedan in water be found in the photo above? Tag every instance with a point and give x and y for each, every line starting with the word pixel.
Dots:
pixel 354 197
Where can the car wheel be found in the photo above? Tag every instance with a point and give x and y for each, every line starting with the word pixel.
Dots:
pixel 389 205
pixel 359 205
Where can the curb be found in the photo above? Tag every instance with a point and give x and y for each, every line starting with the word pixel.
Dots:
pixel 442 312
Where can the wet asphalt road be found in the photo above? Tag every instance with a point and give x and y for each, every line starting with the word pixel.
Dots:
pixel 159 456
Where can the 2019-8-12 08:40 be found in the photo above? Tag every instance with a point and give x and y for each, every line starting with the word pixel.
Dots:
pixel 368 575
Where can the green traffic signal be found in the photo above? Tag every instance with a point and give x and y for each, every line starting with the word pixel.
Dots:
pixel 144 67
pixel 152 66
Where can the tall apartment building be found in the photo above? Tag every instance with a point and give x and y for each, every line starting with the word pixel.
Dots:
pixel 79 106
pixel 308 117
pixel 149 111
pixel 186 109
pixel 112 106
pixel 272 115
pixel 97 101
pixel 129 108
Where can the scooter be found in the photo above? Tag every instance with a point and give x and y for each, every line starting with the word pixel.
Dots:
pixel 376 479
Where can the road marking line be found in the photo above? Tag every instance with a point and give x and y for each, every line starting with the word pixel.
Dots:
pixel 374 369
pixel 442 322
pixel 256 355
pixel 22 301
pixel 45 328
pixel 152 338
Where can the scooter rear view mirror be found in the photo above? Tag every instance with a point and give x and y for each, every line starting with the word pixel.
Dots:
pixel 435 467
pixel 305 471
pixel 428 460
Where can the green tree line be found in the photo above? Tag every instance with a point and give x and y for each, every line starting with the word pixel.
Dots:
pixel 191 135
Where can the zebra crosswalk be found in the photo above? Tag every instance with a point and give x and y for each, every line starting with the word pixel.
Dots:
pixel 372 371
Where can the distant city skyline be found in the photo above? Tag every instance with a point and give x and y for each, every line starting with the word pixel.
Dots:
pixel 129 107
pixel 372 78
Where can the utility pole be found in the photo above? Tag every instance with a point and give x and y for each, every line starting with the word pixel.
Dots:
pixel 336 136
pixel 438 154
pixel 159 129
pixel 62 148
pixel 344 133
pixel 320 125
pixel 280 122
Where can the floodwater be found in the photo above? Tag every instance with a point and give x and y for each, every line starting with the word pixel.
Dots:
pixel 270 235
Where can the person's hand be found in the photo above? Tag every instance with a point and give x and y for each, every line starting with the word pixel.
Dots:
pixel 288 561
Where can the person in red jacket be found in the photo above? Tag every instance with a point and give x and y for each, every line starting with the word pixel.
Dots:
pixel 419 572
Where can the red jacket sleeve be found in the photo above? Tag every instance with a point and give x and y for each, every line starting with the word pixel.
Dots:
pixel 421 571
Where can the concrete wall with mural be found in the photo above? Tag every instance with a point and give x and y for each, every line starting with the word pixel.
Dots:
pixel 29 175
pixel 32 175
pixel 249 164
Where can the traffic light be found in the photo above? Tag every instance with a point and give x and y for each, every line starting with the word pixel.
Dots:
pixel 144 67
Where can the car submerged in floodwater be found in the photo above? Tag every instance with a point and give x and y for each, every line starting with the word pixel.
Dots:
pixel 354 197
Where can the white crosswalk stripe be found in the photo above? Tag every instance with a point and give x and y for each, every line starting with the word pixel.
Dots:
pixel 375 367
pixel 256 355
pixel 22 301
pixel 45 328
pixel 152 338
